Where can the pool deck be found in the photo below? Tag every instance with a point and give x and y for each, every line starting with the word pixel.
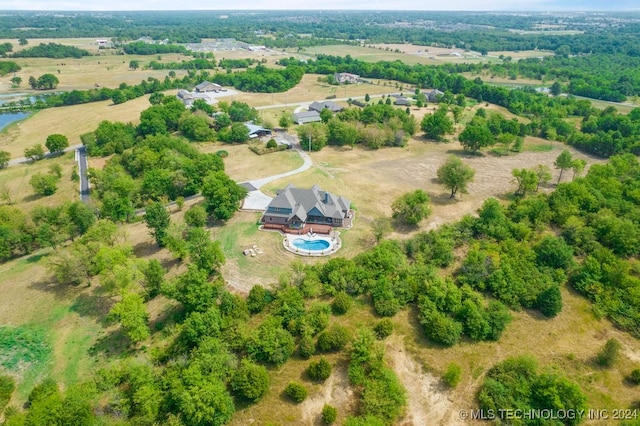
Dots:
pixel 333 239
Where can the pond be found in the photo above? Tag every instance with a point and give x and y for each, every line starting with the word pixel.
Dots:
pixel 7 118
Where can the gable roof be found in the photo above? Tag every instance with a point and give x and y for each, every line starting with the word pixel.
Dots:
pixel 301 202
pixel 319 106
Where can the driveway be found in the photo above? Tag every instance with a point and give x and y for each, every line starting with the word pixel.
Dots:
pixel 256 200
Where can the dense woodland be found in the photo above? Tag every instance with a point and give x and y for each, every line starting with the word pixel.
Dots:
pixel 462 281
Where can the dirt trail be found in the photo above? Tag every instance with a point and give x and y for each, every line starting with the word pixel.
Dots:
pixel 428 402
pixel 336 391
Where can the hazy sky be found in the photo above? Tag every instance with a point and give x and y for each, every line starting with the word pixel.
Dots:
pixel 535 5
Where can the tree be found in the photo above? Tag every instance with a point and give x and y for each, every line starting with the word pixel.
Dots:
pixel 549 301
pixel 47 82
pixel 196 216
pixel 16 81
pixel 153 278
pixel 325 115
pixel 383 329
pixel 270 343
pixel 250 381
pixel 222 195
pixel 544 175
pixel 23 41
pixel 411 207
pixel 564 161
pixel 578 166
pixel 158 220
pixel 35 152
pixel 474 137
pixel 286 120
pixel 134 65
pixel 313 136
pixel 33 83
pixel 341 303
pixel 609 354
pixel 44 184
pixel 556 88
pixel 204 253
pixel 132 314
pixel 56 143
pixel 380 227
pixel 526 179
pixel 367 98
pixel 455 175
pixel 4 159
pixel 436 125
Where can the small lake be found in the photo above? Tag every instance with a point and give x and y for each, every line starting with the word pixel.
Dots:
pixel 7 118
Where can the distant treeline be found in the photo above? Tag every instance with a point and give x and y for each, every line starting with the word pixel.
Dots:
pixel 51 50
pixel 143 48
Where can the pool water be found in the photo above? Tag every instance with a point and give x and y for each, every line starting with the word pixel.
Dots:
pixel 313 245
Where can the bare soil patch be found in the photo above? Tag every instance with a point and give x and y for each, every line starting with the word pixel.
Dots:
pixel 427 398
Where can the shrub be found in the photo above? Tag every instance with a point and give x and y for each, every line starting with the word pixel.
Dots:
pixel 329 414
pixel 222 153
pixel 333 339
pixel 341 303
pixel 549 301
pixel 250 381
pixel 383 329
pixel 7 386
pixel 453 375
pixel 272 144
pixel 634 377
pixel 296 392
pixel 319 370
pixel 306 347
pixel 609 353
pixel 258 298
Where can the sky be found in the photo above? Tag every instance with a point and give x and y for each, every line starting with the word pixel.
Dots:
pixel 474 5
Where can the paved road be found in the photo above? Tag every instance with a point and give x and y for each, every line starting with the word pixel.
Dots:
pixel 22 160
pixel 256 199
pixel 81 156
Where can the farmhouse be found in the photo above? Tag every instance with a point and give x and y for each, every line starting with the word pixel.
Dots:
pixel 345 77
pixel 206 86
pixel 319 106
pixel 296 207
pixel 306 117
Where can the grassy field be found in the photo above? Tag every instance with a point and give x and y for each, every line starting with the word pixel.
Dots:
pixel 15 179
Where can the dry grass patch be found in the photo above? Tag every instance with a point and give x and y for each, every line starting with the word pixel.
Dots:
pixel 310 89
pixel 567 343
pixel 16 180
pixel 242 164
pixel 71 121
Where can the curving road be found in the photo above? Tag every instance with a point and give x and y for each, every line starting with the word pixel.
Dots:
pixel 256 200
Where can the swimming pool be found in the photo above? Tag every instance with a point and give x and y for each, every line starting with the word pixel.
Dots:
pixel 311 245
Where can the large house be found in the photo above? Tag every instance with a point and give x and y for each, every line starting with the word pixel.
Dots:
pixel 345 77
pixel 319 106
pixel 433 95
pixel 295 207
pixel 188 98
pixel 306 117
pixel 206 86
